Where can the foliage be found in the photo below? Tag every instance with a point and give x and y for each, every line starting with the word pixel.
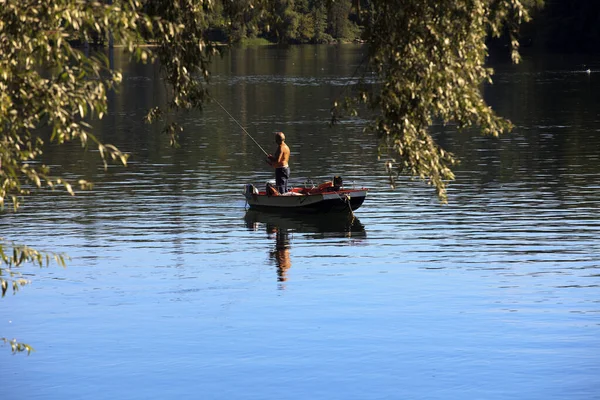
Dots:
pixel 45 82
pixel 339 25
pixel 14 256
pixel 284 21
pixel 180 30
pixel 17 347
pixel 49 88
pixel 429 56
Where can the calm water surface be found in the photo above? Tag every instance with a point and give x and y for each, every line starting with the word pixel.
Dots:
pixel 174 290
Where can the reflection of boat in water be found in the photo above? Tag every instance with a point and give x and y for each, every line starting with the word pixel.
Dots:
pixel 321 225
pixel 315 226
pixel 329 197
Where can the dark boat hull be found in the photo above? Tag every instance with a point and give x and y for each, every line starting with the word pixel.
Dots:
pixel 326 202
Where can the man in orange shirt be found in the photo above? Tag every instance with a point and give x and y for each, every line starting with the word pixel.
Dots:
pixel 279 161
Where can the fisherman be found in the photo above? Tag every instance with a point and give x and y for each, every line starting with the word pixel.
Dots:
pixel 279 161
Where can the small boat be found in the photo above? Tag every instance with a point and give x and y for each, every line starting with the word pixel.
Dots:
pixel 327 197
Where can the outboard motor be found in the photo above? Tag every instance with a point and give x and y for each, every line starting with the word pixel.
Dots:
pixel 250 190
pixel 337 183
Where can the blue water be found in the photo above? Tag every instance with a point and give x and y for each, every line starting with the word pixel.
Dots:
pixel 174 291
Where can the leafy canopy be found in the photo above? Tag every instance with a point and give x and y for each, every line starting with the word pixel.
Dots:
pixel 50 88
pixel 429 56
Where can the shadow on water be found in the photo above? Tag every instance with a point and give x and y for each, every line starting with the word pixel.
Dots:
pixel 282 226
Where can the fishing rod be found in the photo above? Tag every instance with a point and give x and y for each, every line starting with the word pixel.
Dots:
pixel 240 125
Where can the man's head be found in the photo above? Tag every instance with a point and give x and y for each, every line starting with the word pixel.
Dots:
pixel 279 137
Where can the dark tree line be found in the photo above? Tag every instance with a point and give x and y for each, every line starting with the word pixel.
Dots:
pixel 557 24
pixel 288 21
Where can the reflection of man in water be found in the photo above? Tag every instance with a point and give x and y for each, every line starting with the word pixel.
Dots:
pixel 282 251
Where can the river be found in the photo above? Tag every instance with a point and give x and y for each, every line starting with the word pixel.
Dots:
pixel 174 290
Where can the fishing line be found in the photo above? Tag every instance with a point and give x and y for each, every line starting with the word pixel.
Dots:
pixel 240 125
